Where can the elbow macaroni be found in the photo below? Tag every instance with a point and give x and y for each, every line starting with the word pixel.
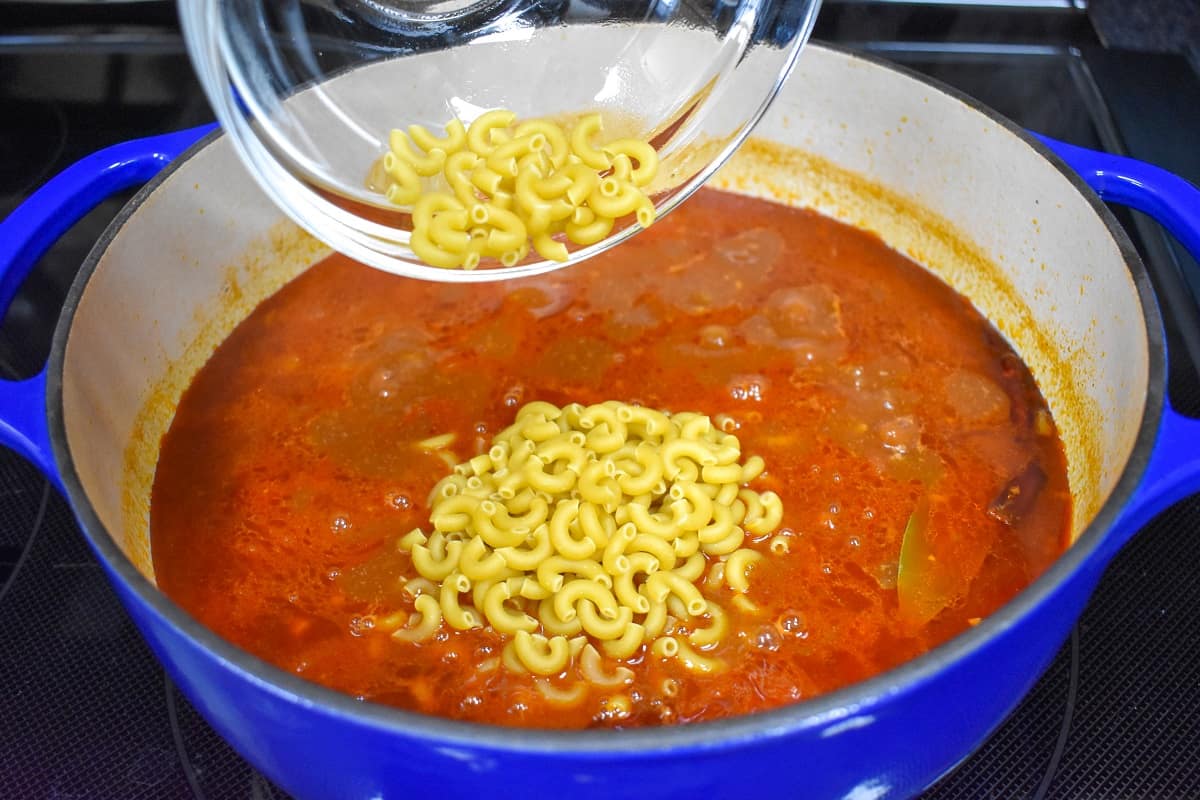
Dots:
pixel 592 530
pixel 514 184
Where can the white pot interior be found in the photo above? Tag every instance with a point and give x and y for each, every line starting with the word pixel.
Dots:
pixel 933 177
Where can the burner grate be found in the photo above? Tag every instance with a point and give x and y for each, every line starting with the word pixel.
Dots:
pixel 76 713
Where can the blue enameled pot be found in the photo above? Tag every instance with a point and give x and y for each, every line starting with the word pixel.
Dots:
pixel 199 245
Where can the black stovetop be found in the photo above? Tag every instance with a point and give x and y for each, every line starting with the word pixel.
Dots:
pixel 85 710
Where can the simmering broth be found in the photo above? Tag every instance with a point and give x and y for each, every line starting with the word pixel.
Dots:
pixel 879 399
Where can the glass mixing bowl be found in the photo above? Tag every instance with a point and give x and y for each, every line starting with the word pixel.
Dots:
pixel 308 91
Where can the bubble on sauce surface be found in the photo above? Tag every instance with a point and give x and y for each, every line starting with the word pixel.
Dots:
pixel 513 396
pixel 793 624
pixel 362 625
pixel 614 709
pixel 748 388
pixel 766 638
pixel 384 383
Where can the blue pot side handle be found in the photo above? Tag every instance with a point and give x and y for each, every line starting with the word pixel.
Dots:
pixel 1174 469
pixel 29 231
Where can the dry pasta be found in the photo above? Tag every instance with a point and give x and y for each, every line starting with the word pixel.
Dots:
pixel 500 186
pixel 590 530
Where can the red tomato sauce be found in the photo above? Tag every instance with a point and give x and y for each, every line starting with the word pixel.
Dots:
pixel 870 389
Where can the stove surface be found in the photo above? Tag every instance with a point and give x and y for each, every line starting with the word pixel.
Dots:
pixel 85 710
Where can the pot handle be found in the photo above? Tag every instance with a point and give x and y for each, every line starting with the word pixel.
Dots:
pixel 1173 471
pixel 30 230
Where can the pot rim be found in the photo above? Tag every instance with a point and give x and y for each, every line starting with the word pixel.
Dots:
pixel 639 743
